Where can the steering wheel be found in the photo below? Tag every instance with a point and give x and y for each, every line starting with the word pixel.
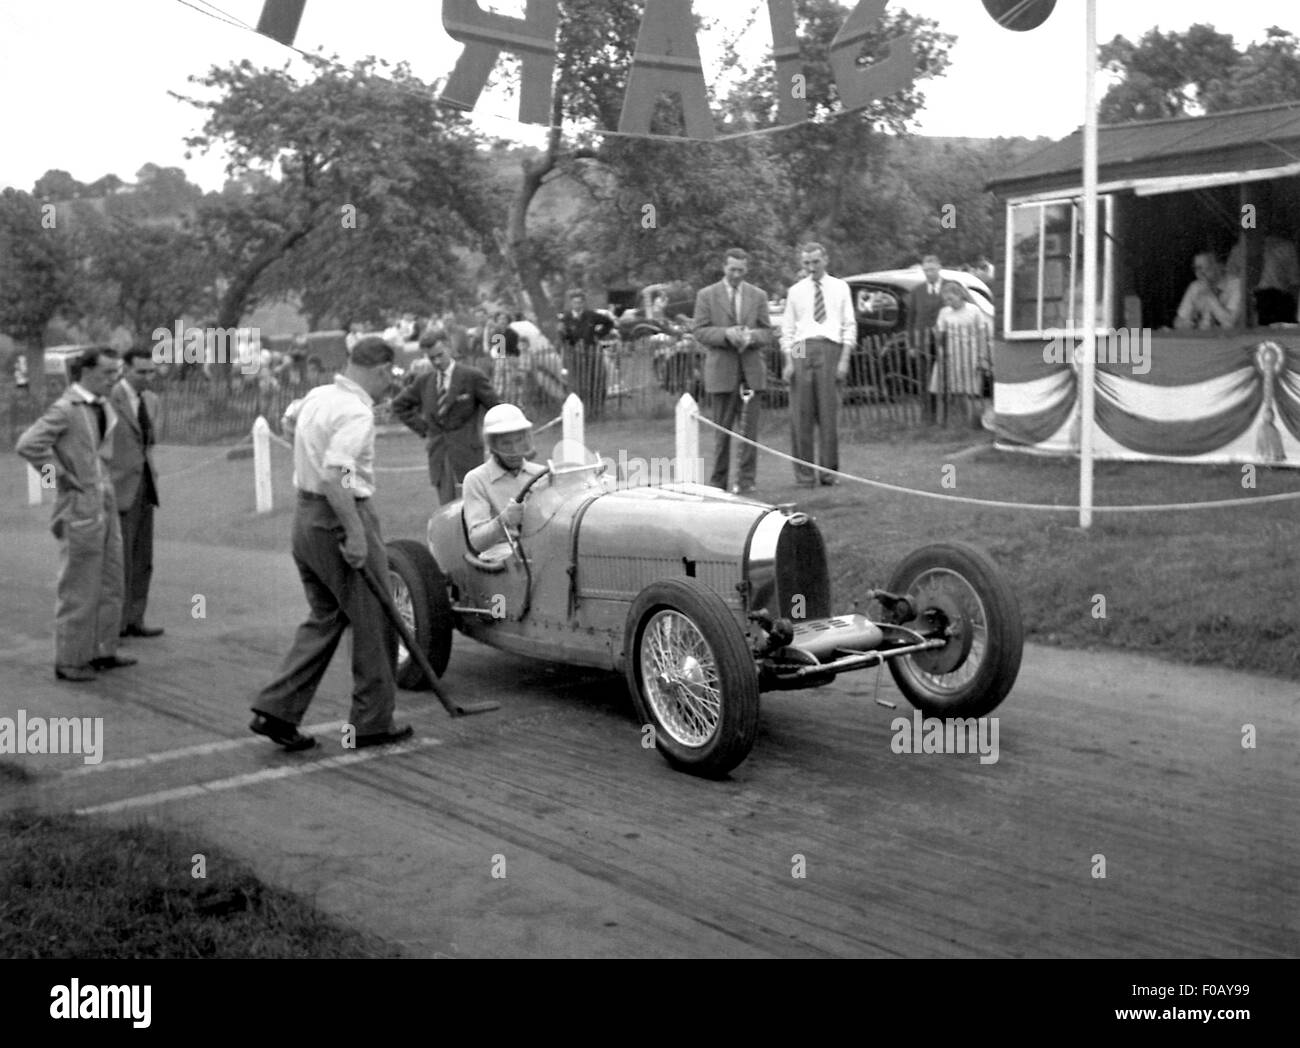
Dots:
pixel 519 499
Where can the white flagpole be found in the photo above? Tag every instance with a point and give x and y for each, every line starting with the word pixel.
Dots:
pixel 1089 334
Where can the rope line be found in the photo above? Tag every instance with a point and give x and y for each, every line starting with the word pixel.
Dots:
pixel 997 504
pixel 206 462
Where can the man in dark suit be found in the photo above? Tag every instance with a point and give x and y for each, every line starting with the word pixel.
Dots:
pixel 446 407
pixel 731 320
pixel 923 307
pixel 135 484
pixel 580 331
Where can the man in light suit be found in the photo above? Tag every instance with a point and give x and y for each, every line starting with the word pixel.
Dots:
pixel 445 406
pixel 135 483
pixel 70 445
pixel 731 320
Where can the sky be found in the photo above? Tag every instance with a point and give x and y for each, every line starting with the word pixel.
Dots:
pixel 85 83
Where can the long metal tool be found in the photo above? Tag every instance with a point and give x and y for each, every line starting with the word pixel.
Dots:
pixel 456 709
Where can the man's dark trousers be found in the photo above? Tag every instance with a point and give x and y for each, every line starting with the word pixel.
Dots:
pixel 726 410
pixel 814 408
pixel 338 598
pixel 137 552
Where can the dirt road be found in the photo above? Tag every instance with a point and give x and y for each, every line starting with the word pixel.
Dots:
pixel 545 829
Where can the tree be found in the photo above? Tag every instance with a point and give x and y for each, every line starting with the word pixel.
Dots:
pixel 829 162
pixel 595 42
pixel 1198 71
pixel 340 184
pixel 57 185
pixel 36 276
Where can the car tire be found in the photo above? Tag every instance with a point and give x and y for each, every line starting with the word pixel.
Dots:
pixel 975 671
pixel 681 627
pixel 419 589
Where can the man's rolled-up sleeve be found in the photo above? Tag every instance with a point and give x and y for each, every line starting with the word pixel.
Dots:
pixel 348 441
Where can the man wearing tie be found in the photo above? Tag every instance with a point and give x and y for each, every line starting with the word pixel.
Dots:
pixel 135 483
pixel 445 406
pixel 818 334
pixel 731 320
pixel 923 308
pixel 70 446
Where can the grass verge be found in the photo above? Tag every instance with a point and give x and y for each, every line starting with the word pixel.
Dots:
pixel 70 888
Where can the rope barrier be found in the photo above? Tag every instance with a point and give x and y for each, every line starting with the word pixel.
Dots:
pixel 996 504
pixel 206 462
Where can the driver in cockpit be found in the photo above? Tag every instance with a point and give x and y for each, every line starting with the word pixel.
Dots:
pixel 490 488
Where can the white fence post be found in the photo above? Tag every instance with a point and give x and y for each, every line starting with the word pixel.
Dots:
pixel 686 467
pixel 33 486
pixel 572 425
pixel 262 464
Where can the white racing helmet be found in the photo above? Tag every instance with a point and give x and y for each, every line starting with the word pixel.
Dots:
pixel 503 421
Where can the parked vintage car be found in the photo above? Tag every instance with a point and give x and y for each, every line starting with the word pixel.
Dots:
pixel 886 362
pixel 702 600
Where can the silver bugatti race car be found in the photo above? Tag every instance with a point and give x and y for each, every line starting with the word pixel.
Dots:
pixel 703 600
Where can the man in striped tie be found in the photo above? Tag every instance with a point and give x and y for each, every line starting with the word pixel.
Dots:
pixel 818 334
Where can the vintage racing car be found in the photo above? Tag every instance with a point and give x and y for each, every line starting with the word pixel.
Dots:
pixel 702 600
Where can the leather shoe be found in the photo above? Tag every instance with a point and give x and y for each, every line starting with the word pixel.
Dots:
pixel 382 738
pixel 113 662
pixel 281 732
pixel 142 631
pixel 75 673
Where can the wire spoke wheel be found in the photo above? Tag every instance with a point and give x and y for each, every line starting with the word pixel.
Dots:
pixel 681 678
pixel 691 676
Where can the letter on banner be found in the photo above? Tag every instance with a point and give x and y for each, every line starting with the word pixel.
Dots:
pixel 485 35
pixel 666 60
pixel 280 20
pixel 859 86
pixel 789 63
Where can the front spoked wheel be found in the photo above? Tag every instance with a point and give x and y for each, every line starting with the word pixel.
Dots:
pixel 692 677
pixel 957 589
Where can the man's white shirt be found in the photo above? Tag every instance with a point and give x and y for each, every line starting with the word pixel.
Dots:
pixel 799 323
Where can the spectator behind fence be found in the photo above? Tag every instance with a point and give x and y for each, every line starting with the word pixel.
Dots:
pixel 1213 299
pixel 923 306
pixel 135 484
pixel 507 367
pixel 72 443
pixel 445 406
pixel 818 335
pixel 581 330
pixel 964 332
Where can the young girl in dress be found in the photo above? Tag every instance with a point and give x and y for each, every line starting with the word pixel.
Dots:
pixel 964 355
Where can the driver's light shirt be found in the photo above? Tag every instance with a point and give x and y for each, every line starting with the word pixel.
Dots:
pixel 334 427
pixel 487 489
